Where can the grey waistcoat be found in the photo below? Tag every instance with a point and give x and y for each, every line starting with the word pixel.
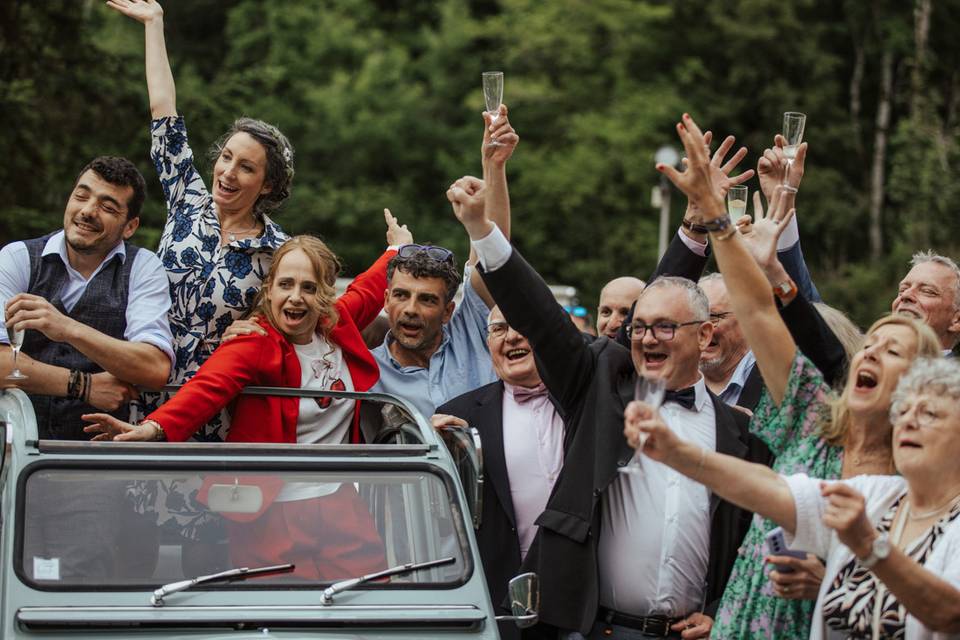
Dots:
pixel 102 306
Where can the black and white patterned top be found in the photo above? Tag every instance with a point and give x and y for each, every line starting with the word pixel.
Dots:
pixel 849 604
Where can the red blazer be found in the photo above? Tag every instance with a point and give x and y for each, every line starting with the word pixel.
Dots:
pixel 271 360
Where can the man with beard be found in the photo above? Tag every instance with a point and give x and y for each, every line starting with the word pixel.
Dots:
pixel 93 306
pixel 727 363
pixel 436 350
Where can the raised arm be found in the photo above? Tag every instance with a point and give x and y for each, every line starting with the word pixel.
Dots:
pixel 564 360
pixel 499 141
pixel 750 295
pixel 160 85
pixel 754 487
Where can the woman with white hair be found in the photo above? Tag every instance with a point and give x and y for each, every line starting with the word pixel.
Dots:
pixel 891 543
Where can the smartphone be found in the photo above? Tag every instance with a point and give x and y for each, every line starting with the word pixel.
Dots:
pixel 777 546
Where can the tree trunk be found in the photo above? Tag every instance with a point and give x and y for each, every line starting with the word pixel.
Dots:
pixel 877 173
pixel 921 31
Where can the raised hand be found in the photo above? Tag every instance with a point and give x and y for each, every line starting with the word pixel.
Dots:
pixel 397 235
pixel 467 196
pixel 499 138
pixel 772 167
pixel 762 234
pixel 720 171
pixel 846 513
pixel 697 181
pixel 143 11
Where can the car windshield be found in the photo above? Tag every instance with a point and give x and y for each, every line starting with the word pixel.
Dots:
pixel 139 528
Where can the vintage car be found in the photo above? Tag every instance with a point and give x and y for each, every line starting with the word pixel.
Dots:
pixel 94 544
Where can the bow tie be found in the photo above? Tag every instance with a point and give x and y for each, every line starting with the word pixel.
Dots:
pixel 526 394
pixel 686 398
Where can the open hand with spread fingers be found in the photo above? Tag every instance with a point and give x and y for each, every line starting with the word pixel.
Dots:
pixel 143 11
pixel 697 180
pixel 762 233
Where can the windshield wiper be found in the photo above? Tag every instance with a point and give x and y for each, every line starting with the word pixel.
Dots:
pixel 224 576
pixel 328 593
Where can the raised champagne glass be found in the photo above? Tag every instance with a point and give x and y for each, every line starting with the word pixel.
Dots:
pixel 648 391
pixel 793 126
pixel 737 201
pixel 493 96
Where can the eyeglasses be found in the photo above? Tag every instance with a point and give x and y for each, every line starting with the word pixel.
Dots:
pixel 662 331
pixel 715 318
pixel 923 414
pixel 439 254
pixel 497 329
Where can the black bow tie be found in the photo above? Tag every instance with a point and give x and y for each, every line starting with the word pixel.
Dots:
pixel 686 398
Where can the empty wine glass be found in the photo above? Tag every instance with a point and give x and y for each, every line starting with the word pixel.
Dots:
pixel 16 341
pixel 493 95
pixel 649 391
pixel 737 201
pixel 793 125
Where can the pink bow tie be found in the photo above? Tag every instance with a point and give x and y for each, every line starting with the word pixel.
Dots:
pixel 526 394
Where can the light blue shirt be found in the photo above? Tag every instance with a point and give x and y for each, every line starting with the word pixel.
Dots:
pixel 460 364
pixel 149 294
pixel 731 394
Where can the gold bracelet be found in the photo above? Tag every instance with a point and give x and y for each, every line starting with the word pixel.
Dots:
pixel 158 433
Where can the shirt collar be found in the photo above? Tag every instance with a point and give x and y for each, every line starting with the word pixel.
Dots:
pixel 271 238
pixel 57 244
pixel 388 339
pixel 741 373
pixel 702 397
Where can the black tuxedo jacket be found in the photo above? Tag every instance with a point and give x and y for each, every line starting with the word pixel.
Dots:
pixel 497 536
pixel 592 383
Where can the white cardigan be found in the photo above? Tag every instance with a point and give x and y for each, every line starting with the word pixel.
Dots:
pixel 813 536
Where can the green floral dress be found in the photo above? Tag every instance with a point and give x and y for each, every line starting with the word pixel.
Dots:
pixel 749 609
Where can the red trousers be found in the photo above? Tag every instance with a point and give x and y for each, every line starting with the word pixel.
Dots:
pixel 329 538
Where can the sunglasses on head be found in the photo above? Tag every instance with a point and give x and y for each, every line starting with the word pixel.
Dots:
pixel 435 253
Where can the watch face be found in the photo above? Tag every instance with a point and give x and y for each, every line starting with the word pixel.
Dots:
pixel 881 547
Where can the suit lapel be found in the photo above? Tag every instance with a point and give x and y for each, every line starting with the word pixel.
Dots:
pixel 489 423
pixel 729 439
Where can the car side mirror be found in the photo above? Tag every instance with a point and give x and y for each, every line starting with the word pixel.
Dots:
pixel 524 600
pixel 464 446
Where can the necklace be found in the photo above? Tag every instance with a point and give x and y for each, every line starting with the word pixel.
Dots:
pixel 927 514
pixel 233 233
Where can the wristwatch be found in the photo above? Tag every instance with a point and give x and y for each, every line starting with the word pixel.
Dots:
pixel 693 226
pixel 879 551
pixel 718 225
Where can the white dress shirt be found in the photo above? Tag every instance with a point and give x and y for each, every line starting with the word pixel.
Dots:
pixel 149 292
pixel 533 451
pixel 655 527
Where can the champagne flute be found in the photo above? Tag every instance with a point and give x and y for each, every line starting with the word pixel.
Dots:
pixel 737 201
pixel 793 125
pixel 649 391
pixel 16 341
pixel 493 95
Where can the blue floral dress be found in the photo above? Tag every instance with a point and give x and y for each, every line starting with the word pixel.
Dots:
pixel 210 285
pixel 749 608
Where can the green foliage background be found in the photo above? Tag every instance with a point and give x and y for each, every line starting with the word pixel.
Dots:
pixel 382 101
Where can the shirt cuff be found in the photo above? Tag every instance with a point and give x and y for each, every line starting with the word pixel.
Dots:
pixel 806 500
pixel 493 250
pixel 790 235
pixel 699 248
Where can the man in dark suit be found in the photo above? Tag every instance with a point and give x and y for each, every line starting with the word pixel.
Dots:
pixel 585 569
pixel 522 438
